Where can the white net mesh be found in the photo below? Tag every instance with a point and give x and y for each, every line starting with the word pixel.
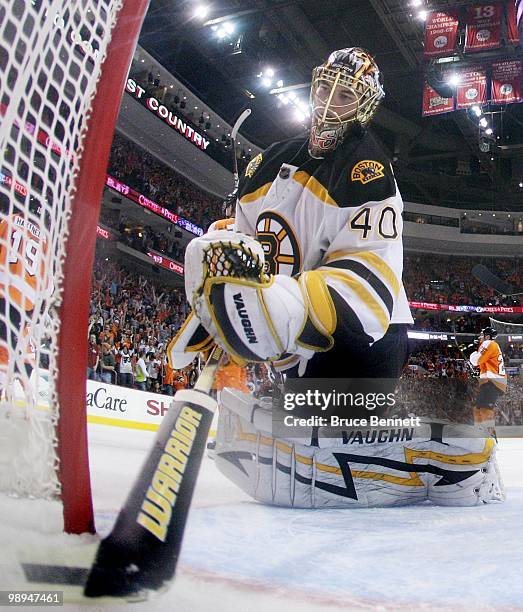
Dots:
pixel 51 53
pixel 514 330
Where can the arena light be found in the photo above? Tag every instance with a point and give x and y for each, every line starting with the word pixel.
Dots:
pixel 279 83
pixel 300 115
pixel 201 12
pixel 224 30
pixel 477 111
pixel 454 80
pixel 422 15
pixel 488 131
pixel 266 82
pixel 269 72
pixel 416 2
pixel 483 122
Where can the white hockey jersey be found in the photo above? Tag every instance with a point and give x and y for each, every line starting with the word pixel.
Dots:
pixel 336 224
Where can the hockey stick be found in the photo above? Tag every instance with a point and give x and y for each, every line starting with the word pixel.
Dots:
pixel 483 274
pixel 141 552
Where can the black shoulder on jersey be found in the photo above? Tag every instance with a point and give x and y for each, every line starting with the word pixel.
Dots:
pixel 360 172
pixel 264 168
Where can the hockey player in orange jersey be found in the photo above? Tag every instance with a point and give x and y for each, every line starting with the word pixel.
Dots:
pixel 23 249
pixel 492 377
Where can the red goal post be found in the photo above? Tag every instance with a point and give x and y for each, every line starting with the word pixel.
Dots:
pixel 58 110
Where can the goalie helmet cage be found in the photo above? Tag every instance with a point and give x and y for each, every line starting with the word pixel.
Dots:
pixel 63 65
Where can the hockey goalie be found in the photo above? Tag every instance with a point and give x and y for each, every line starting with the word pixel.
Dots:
pixel 317 255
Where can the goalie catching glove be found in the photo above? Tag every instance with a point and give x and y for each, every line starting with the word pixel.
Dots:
pixel 250 314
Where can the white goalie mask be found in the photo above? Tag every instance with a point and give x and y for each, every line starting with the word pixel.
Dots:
pixel 346 89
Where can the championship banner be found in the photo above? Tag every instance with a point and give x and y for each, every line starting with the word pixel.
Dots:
pixel 472 88
pixel 441 30
pixel 512 23
pixel 433 103
pixel 506 82
pixel 483 27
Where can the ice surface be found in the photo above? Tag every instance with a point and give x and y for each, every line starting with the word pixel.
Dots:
pixel 240 555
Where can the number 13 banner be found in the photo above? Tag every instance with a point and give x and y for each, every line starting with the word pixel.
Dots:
pixel 483 26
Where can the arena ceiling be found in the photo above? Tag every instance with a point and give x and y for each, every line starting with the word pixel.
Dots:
pixel 437 160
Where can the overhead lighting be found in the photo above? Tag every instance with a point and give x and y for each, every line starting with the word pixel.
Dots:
pixel 269 72
pixel 477 110
pixel 292 95
pixel 416 2
pixel 488 131
pixel 454 80
pixel 483 122
pixel 229 27
pixel 266 82
pixel 201 12
pixel 279 83
pixel 300 116
pixel 422 15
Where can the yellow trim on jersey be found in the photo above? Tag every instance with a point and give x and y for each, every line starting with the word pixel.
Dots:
pixel 314 186
pixel 374 260
pixel 364 295
pixel 320 301
pixel 255 195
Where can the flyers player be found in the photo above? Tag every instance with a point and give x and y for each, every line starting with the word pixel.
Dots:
pixel 23 254
pixel 492 378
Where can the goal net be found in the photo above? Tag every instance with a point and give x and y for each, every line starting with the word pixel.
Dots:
pixel 62 68
pixel 513 331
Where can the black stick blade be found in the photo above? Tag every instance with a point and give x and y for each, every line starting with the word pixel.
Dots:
pixel 483 274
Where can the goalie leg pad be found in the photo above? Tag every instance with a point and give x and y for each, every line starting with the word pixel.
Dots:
pixel 350 475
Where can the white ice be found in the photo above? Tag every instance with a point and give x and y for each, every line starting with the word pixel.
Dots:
pixel 240 555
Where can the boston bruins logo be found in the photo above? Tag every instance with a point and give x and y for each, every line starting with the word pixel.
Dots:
pixel 280 245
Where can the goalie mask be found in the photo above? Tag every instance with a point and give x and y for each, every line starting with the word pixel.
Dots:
pixel 346 90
